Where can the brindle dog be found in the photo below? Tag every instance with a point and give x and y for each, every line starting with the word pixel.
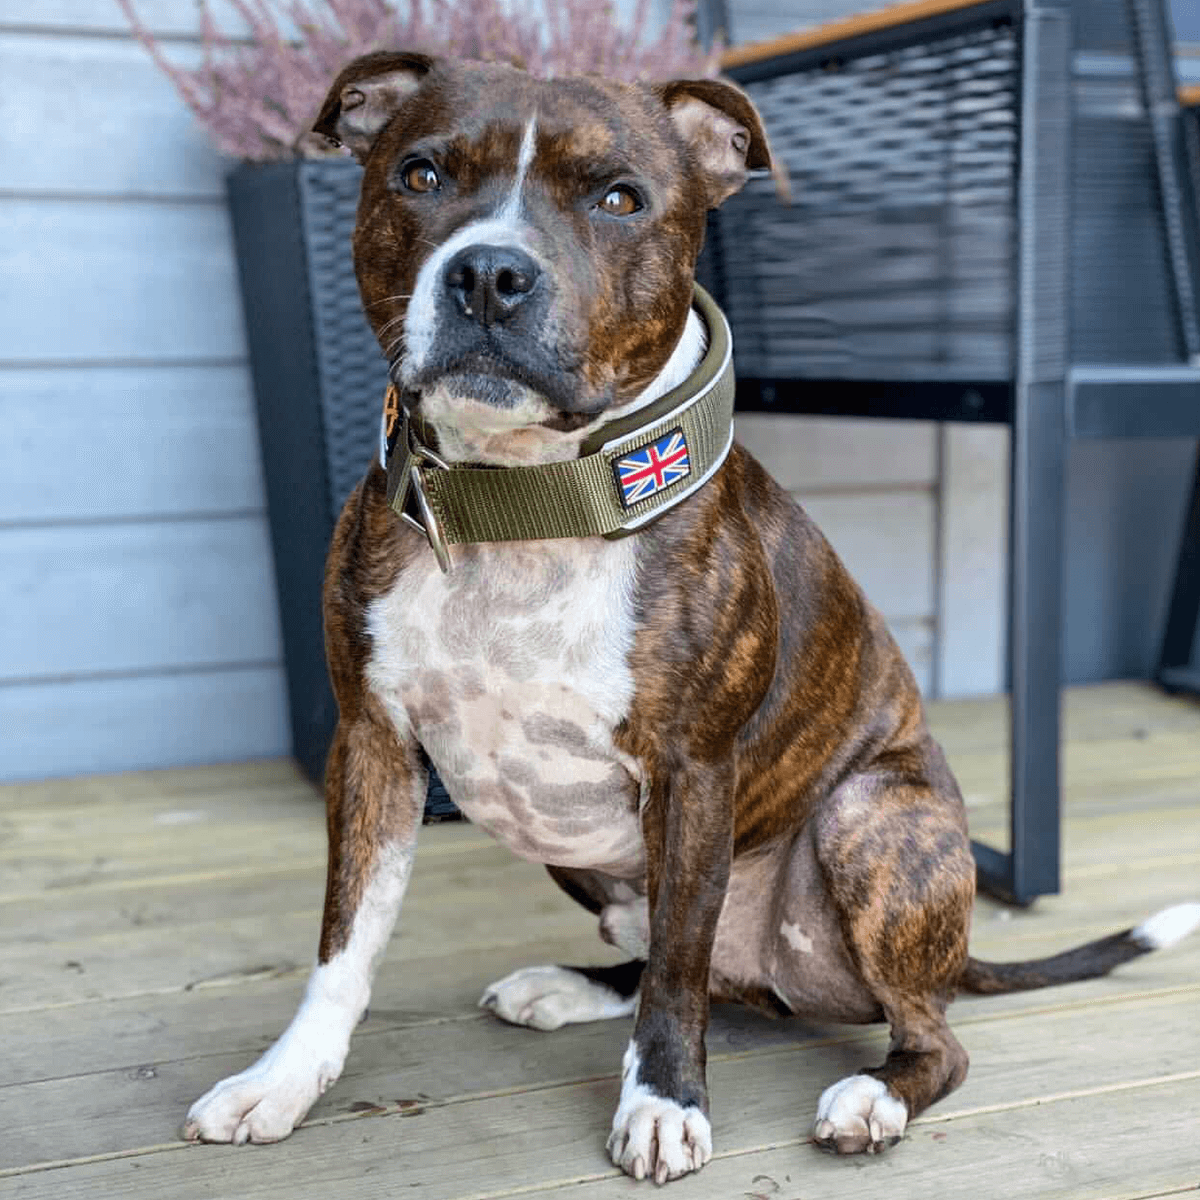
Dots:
pixel 704 729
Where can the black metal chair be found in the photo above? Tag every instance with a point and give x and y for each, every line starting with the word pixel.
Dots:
pixel 1177 671
pixel 988 225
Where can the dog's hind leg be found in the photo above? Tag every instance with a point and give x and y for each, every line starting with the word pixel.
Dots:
pixel 548 997
pixel 375 789
pixel 899 868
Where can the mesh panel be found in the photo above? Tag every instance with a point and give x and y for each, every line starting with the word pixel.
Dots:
pixel 352 370
pixel 895 259
pixel 1123 300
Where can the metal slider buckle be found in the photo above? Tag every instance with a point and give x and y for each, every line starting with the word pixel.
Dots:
pixel 420 455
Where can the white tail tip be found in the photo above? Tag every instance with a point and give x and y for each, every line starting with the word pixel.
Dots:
pixel 1169 926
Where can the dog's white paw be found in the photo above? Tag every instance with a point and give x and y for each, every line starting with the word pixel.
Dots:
pixel 858 1114
pixel 262 1104
pixel 653 1137
pixel 550 997
pixel 658 1139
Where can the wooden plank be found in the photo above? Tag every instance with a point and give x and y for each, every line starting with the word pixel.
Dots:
pixel 1117 1145
pixel 83 1115
pixel 80 799
pixel 807 454
pixel 94 281
pixel 498 1144
pixel 1162 775
pixel 848 27
pixel 140 961
pixel 87 444
pixel 151 943
pixel 173 18
pixel 886 541
pixel 251 1003
pixel 139 138
pixel 163 934
pixel 172 594
pixel 153 790
pixel 96 921
pixel 972 570
pixel 1116 711
pixel 112 724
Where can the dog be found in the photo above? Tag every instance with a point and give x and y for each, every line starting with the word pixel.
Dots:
pixel 700 726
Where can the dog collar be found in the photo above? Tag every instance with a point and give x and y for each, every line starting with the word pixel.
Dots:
pixel 630 471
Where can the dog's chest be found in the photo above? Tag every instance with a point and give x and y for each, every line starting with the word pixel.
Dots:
pixel 512 672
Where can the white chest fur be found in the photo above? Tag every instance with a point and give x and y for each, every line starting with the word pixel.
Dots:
pixel 512 672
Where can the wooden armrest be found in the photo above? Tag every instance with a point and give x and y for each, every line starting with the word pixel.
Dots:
pixel 847 27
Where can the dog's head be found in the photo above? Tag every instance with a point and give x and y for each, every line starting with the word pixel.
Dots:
pixel 525 247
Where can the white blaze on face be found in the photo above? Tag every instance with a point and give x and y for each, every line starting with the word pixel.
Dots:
pixel 502 227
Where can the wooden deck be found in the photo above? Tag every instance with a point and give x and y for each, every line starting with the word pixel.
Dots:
pixel 155 932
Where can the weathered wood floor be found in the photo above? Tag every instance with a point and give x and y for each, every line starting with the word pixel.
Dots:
pixel 155 932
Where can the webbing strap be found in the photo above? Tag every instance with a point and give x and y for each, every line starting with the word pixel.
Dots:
pixel 589 495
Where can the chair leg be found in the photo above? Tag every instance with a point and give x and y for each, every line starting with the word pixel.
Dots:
pixel 1039 453
pixel 1175 671
pixel 1031 868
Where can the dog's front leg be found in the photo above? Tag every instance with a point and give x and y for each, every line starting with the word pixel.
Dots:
pixel 375 790
pixel 661 1128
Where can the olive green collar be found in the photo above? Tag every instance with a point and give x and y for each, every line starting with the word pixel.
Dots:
pixel 630 471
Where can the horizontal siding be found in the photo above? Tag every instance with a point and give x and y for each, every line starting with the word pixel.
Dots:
pixel 83 599
pixel 174 18
pixel 871 487
pixel 78 727
pixel 89 444
pixel 136 579
pixel 135 140
pixel 806 453
pixel 91 280
pixel 918 644
pixel 887 543
pixel 973 537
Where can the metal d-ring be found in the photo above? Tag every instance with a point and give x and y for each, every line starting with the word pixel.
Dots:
pixel 412 479
pixel 432 526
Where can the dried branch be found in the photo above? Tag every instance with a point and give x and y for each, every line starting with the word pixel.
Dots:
pixel 257 96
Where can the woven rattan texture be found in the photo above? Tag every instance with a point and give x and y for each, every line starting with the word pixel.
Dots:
pixel 1123 305
pixel 352 369
pixel 895 258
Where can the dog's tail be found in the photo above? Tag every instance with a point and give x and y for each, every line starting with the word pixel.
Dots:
pixel 1088 961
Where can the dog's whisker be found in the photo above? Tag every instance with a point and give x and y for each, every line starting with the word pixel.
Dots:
pixel 388 326
pixel 387 299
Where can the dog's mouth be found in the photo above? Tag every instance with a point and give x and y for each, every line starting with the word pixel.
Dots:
pixel 519 387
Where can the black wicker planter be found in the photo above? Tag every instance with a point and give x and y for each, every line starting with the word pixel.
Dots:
pixel 318 382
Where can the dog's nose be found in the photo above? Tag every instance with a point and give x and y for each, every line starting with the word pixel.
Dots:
pixel 490 283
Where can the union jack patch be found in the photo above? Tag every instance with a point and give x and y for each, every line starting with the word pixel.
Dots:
pixel 647 471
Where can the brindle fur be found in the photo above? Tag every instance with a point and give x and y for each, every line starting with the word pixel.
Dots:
pixel 805 845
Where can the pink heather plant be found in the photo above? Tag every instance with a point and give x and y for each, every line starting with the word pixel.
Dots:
pixel 256 96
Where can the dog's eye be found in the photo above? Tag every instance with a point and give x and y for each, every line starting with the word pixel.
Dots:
pixel 420 175
pixel 620 201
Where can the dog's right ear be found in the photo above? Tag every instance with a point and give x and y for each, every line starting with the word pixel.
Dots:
pixel 366 95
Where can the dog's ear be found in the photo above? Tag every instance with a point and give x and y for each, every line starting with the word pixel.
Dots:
pixel 366 95
pixel 725 133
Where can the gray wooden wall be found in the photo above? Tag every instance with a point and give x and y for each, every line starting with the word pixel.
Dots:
pixel 139 627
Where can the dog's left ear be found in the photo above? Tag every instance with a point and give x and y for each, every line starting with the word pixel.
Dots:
pixel 725 133
pixel 366 95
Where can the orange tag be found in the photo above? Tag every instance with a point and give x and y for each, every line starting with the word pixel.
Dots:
pixel 391 410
